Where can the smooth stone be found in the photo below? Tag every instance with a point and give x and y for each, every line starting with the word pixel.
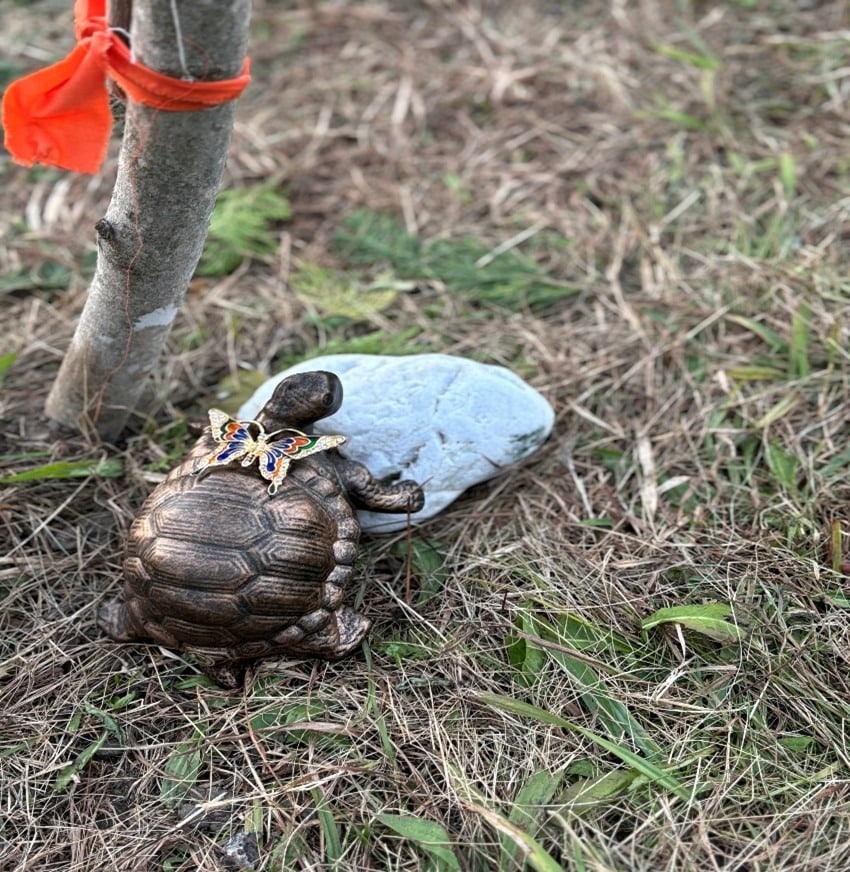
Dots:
pixel 444 421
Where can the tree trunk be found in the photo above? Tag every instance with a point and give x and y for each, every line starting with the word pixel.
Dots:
pixel 151 238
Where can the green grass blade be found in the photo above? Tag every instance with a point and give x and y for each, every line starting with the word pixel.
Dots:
pixel 685 120
pixel 755 372
pixel 788 173
pixel 836 545
pixel 430 836
pixel 778 411
pixel 109 468
pixel 534 854
pixel 783 465
pixel 612 713
pixel 694 59
pixel 243 223
pixel 648 769
pixel 529 804
pixel 583 635
pixel 798 353
pixel 836 468
pixel 338 294
pixel 510 279
pixel 6 362
pixel 768 336
pixel 69 772
pixel 180 773
pixel 330 830
pixel 524 654
pixel 709 619
pixel 589 793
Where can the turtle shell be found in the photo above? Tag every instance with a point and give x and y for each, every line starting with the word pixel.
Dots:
pixel 221 569
pixel 214 564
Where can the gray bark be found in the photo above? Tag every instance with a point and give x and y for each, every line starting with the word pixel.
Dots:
pixel 151 237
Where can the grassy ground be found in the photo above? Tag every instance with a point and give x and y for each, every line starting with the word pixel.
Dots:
pixel 630 654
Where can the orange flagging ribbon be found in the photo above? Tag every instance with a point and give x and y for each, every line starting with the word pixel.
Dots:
pixel 60 115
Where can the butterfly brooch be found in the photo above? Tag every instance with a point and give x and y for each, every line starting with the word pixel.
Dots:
pixel 273 451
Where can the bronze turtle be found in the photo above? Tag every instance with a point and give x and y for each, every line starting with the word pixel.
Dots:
pixel 219 567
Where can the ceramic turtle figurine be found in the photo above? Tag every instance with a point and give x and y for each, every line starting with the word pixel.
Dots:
pixel 240 562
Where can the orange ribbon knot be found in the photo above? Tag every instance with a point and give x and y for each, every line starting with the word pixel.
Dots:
pixel 60 115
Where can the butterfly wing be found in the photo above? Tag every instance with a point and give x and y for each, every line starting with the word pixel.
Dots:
pixel 308 445
pixel 276 456
pixel 233 438
pixel 223 428
pixel 274 465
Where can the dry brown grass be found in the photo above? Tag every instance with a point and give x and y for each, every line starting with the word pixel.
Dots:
pixel 695 209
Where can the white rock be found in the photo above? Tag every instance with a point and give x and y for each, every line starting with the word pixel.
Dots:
pixel 444 421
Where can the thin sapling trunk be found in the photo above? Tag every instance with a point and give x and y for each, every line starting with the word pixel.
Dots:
pixel 150 239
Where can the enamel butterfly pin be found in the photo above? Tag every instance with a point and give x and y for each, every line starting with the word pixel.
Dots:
pixel 273 451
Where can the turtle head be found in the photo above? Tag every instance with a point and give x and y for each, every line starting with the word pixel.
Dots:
pixel 301 399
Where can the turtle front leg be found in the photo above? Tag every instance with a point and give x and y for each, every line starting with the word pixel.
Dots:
pixel 368 492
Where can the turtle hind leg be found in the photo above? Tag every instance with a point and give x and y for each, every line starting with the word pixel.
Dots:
pixel 229 674
pixel 115 619
pixel 342 633
pixel 352 627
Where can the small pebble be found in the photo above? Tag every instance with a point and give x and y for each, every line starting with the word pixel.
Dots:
pixel 241 851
